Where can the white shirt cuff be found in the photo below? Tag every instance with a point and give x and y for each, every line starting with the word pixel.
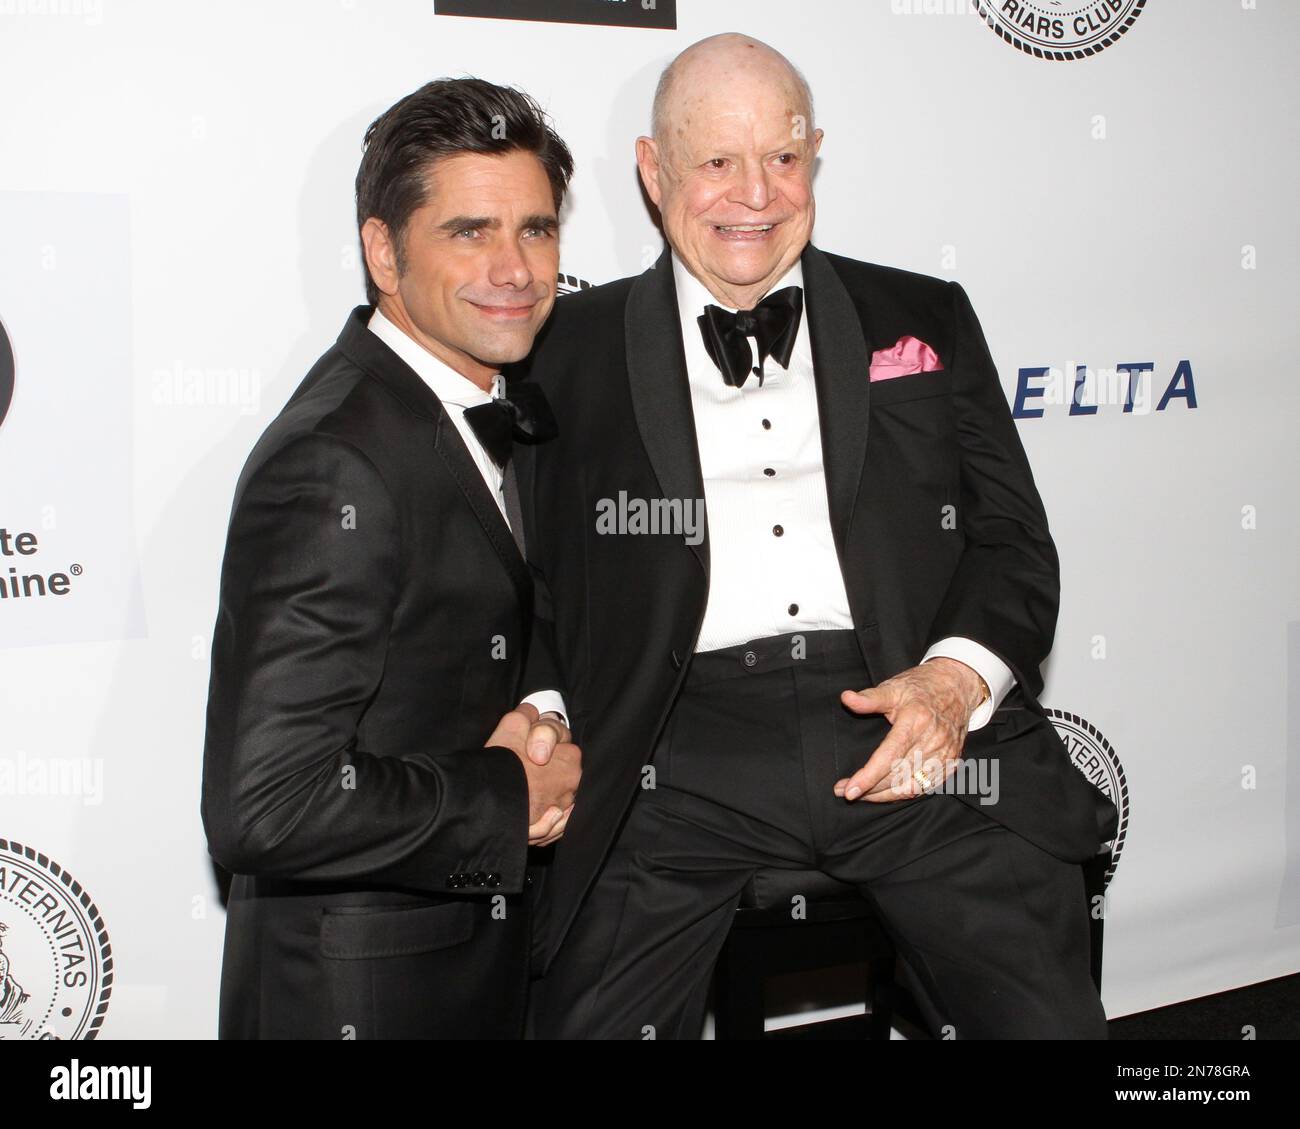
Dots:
pixel 548 701
pixel 996 674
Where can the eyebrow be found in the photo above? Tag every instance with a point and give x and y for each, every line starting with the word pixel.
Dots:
pixel 791 146
pixel 480 223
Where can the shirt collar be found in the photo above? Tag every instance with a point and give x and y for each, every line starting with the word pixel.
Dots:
pixel 693 295
pixel 447 384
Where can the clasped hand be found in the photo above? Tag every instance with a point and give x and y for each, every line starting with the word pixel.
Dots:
pixel 552 763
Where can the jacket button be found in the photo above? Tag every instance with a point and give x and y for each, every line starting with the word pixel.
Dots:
pixel 750 659
pixel 451 881
pixel 479 878
pixel 676 660
pixel 528 879
pixel 494 880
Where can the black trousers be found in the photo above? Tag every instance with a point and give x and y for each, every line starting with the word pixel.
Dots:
pixel 992 931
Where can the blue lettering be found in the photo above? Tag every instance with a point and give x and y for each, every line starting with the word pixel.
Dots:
pixel 1183 373
pixel 1024 392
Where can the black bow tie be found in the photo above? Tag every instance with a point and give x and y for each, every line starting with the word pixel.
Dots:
pixel 525 416
pixel 773 323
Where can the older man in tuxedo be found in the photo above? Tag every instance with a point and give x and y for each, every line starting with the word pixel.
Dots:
pixel 871 602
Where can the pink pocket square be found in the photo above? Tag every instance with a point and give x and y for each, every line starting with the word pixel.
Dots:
pixel 907 356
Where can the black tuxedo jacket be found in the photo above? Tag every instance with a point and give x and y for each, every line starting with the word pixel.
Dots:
pixel 627 609
pixel 373 623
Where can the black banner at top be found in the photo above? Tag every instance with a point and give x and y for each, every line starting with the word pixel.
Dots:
pixel 610 13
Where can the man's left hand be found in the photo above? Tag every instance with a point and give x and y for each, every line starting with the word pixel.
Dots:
pixel 928 708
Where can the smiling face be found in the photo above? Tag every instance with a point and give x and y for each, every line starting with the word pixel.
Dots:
pixel 731 172
pixel 479 262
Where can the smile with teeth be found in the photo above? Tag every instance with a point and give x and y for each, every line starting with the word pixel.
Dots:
pixel 744 227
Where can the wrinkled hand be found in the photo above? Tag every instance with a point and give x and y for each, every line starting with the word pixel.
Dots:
pixel 553 780
pixel 928 708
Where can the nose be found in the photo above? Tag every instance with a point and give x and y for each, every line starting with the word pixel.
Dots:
pixel 509 267
pixel 753 186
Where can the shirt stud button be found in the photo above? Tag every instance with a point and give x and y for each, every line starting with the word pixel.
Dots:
pixel 778 530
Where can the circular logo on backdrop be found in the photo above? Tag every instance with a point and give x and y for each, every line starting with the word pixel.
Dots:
pixel 1092 755
pixel 56 966
pixel 1060 29
pixel 6 372
pixel 570 284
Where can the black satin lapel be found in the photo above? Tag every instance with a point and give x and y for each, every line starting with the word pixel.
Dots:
pixel 841 364
pixel 661 393
pixel 368 351
pixel 463 470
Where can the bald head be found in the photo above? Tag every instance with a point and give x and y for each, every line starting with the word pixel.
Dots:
pixel 716 62
pixel 730 163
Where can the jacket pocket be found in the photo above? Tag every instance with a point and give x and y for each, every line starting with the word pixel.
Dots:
pixel 917 386
pixel 365 932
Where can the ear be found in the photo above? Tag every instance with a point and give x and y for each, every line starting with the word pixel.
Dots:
pixel 817 141
pixel 647 162
pixel 381 255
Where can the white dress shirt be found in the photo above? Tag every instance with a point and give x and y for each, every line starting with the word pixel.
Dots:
pixel 457 393
pixel 766 500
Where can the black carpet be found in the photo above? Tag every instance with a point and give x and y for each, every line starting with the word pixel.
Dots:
pixel 1272 1009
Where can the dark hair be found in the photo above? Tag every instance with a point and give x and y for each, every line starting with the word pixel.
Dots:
pixel 443 118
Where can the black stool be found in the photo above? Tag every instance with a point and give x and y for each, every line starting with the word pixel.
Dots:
pixel 838 927
pixel 766 939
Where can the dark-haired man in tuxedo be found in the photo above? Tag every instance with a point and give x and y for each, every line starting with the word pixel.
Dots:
pixel 367 776
pixel 873 597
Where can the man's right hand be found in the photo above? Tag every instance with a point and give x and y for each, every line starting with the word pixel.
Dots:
pixel 552 786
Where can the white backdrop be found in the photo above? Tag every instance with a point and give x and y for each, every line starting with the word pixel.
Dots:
pixel 177 245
